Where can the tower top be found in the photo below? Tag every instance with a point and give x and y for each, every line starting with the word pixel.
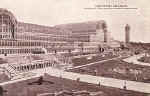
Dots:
pixel 127 33
pixel 127 27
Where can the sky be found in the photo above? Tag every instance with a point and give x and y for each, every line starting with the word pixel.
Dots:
pixel 54 12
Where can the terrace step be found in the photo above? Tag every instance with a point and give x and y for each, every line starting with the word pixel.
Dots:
pixel 11 71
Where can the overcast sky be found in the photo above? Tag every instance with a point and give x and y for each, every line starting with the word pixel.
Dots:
pixel 53 12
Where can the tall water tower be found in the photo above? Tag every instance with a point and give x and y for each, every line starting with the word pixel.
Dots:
pixel 127 33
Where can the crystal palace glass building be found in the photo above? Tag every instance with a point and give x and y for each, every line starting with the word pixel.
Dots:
pixel 18 37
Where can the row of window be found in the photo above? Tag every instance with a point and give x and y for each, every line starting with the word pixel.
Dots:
pixel 65 38
pixel 17 43
pixel 32 50
pixel 14 51
pixel 5 29
pixel 5 36
pixel 90 49
pixel 45 44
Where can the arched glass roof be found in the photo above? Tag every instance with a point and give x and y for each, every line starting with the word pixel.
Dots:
pixel 8 13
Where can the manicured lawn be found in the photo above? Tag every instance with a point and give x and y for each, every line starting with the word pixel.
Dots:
pixel 3 78
pixel 23 89
pixel 86 60
pixel 117 69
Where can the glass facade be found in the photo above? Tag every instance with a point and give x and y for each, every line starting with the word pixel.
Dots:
pixel 7 25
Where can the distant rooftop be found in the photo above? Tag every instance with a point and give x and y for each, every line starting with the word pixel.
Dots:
pixel 89 26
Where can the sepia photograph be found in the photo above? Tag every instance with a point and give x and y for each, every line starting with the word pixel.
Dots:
pixel 74 48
